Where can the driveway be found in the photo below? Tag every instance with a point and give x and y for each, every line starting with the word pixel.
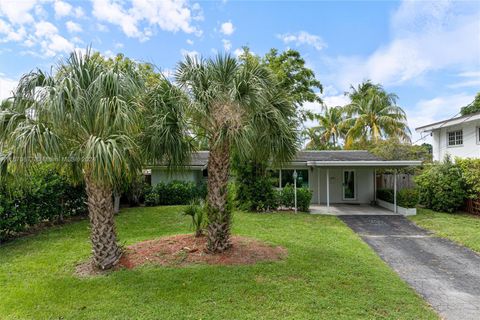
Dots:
pixel 447 275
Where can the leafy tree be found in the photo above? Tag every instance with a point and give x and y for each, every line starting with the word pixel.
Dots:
pixel 239 107
pixel 96 119
pixel 290 70
pixel 473 107
pixel 373 114
pixel 394 149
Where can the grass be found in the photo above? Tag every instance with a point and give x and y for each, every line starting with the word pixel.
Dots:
pixel 459 227
pixel 329 274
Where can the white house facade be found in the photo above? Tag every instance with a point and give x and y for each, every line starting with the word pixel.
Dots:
pixel 335 177
pixel 458 137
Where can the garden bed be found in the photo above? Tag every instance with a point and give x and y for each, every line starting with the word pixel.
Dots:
pixel 400 210
pixel 185 249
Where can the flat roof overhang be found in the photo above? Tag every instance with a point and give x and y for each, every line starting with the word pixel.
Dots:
pixel 448 123
pixel 178 168
pixel 366 163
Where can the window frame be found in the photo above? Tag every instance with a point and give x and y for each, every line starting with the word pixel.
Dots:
pixel 455 139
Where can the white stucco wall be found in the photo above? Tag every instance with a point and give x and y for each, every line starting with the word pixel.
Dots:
pixel 470 147
pixel 363 179
pixel 162 175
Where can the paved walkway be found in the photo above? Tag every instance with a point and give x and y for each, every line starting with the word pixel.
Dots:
pixel 445 274
pixel 349 209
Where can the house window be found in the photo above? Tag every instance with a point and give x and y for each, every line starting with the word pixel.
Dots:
pixel 455 138
pixel 302 178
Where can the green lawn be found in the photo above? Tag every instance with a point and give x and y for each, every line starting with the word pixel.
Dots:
pixel 459 227
pixel 329 274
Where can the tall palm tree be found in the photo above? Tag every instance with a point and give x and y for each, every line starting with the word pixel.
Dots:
pixel 373 114
pixel 330 125
pixel 371 119
pixel 238 107
pixel 90 117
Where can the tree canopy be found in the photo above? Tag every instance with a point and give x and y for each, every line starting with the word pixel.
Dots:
pixel 473 107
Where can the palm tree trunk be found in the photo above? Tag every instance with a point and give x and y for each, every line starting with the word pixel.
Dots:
pixel 218 229
pixel 116 202
pixel 106 252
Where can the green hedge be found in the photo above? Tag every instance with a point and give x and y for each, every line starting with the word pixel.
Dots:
pixel 174 193
pixel 44 196
pixel 442 187
pixel 286 198
pixel 406 198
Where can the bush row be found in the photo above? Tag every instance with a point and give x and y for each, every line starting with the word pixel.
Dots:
pixel 174 193
pixel 45 196
pixel 407 198
pixel 286 198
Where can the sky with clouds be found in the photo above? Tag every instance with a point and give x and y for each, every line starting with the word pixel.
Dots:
pixel 428 53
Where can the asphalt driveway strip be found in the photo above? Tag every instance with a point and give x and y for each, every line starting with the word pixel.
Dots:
pixel 444 273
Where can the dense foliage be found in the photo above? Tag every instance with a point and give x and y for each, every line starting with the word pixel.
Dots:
pixel 471 172
pixel 442 186
pixel 44 196
pixel 174 193
pixel 406 198
pixel 285 198
pixel 473 107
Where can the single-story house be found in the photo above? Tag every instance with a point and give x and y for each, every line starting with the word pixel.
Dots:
pixel 334 177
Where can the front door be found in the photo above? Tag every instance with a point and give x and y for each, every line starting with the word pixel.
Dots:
pixel 349 189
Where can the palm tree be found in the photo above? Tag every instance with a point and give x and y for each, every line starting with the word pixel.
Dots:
pixel 89 116
pixel 373 114
pixel 238 107
pixel 330 125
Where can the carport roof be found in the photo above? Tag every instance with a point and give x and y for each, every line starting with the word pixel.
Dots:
pixel 334 158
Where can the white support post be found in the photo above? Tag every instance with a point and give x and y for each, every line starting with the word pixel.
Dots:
pixel 280 178
pixel 295 187
pixel 395 191
pixel 318 185
pixel 328 188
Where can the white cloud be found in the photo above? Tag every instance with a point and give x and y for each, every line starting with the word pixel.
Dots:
pixel 62 9
pixel 73 27
pixel 191 54
pixel 10 33
pixel 227 28
pixel 79 12
pixel 17 12
pixel 303 38
pixel 44 28
pixel 426 37
pixel 227 44
pixel 168 15
pixel 432 110
pixel 467 79
pixel 190 42
pixel 6 87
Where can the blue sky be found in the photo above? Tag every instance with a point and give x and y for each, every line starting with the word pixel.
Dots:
pixel 426 52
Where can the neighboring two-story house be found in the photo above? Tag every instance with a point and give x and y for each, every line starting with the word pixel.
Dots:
pixel 458 137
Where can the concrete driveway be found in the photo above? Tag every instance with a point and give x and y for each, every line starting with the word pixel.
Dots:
pixel 447 275
pixel 343 209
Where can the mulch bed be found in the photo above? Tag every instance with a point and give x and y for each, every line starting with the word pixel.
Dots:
pixel 185 249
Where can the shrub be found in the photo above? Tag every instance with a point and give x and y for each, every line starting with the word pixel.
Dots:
pixel 304 197
pixel 152 199
pixel 441 187
pixel 174 193
pixel 385 194
pixel 196 210
pixel 288 196
pixel 45 195
pixel 407 198
pixel 254 188
pixel 471 173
